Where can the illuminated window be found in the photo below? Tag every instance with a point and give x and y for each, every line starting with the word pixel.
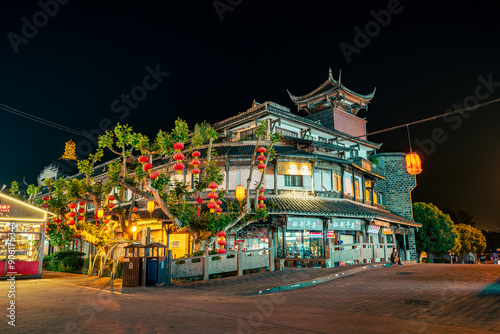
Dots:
pixel 337 182
pixel 348 185
pixel 248 134
pixel 367 195
pixel 356 188
pixel 294 181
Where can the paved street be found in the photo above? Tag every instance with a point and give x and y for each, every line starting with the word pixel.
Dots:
pixel 421 298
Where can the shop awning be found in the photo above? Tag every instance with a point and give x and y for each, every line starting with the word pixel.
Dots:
pixel 332 208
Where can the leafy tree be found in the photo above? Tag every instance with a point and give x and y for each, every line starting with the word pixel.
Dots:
pixel 460 217
pixel 471 239
pixel 438 233
pixel 14 189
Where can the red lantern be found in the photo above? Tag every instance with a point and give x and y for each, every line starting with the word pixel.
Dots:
pixel 262 198
pixel 222 242
pixel 179 167
pixel 81 210
pixel 178 146
pixel 44 205
pixel 262 190
pixel 105 228
pixel 212 195
pixel 218 210
pixel 71 222
pixel 72 205
pixel 72 214
pixel 221 251
pixel 47 229
pixel 195 163
pixel 212 206
pixel 413 163
pixel 261 150
pixel 261 158
pixel 154 175
pixel 178 157
pixel 135 209
pixel 261 167
pixel 81 218
pixel 262 206
pixel 45 198
pixel 143 159
pixel 196 171
pixel 221 234
pixel 213 185
pixel 82 203
pixel 111 205
pixel 218 202
pixel 111 198
pixel 147 166
pixel 195 154
pixel 106 221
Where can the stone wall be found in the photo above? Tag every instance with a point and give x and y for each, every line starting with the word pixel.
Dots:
pixel 325 117
pixel 398 184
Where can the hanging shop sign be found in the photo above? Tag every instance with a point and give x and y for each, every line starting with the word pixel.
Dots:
pixel 381 223
pixel 373 229
pixel 4 207
pixel 386 230
pixel 330 235
pixel 294 168
pixel 344 224
pixel 304 223
pixel 315 234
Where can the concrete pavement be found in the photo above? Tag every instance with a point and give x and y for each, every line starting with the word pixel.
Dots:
pixel 423 298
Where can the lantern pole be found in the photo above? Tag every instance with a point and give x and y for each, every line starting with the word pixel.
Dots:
pixel 409 140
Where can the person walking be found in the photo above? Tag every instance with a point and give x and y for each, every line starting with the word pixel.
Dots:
pixel 482 258
pixel 470 257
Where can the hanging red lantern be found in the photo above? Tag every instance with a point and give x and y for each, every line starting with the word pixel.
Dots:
pixel 261 150
pixel 179 167
pixel 178 157
pixel 212 195
pixel 218 202
pixel 195 163
pixel 213 185
pixel 261 158
pixel 71 222
pixel 72 205
pixel 261 167
pixel 106 221
pixel 262 198
pixel 196 154
pixel 262 206
pixel 47 229
pixel 196 172
pixel 81 210
pixel 212 206
pixel 82 203
pixel 218 210
pixel 111 205
pixel 178 146
pixel 72 214
pixel 154 175
pixel 105 228
pixel 147 166
pixel 135 209
pixel 221 251
pixel 45 198
pixel 222 242
pixel 111 198
pixel 143 159
pixel 221 234
pixel 44 205
pixel 413 163
pixel 81 218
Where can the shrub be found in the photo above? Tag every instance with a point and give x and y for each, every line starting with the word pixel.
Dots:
pixel 441 260
pixel 426 260
pixel 46 261
pixel 66 261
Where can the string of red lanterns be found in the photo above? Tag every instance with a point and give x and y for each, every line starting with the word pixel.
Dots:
pixel 196 163
pixel 179 166
pixel 212 195
pixel 261 157
pixel 222 242
pixel 262 198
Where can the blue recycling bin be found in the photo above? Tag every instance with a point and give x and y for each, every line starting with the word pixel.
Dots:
pixel 151 271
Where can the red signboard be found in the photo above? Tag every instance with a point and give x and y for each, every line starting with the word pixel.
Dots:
pixel 4 207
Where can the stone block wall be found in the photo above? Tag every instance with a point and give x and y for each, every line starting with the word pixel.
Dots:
pixel 325 117
pixel 398 184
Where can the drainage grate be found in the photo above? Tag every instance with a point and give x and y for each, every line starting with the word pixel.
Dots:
pixel 403 273
pixel 416 302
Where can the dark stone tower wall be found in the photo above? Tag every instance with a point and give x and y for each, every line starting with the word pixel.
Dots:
pixel 398 184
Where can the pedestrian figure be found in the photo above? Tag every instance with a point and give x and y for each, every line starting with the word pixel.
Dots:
pixel 482 258
pixel 395 257
pixel 470 257
pixel 452 258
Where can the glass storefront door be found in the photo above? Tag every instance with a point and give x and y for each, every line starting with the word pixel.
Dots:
pixel 304 244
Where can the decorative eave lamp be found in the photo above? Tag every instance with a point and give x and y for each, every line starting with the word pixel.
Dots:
pixel 413 162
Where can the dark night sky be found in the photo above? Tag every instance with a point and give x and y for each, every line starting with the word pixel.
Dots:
pixel 429 57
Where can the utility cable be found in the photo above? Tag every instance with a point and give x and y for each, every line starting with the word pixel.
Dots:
pixel 44 121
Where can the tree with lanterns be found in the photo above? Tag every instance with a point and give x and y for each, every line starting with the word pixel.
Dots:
pixel 181 201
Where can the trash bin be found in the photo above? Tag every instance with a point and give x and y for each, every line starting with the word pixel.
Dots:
pixel 132 265
pixel 156 264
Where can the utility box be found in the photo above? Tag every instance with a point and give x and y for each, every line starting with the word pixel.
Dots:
pixel 132 265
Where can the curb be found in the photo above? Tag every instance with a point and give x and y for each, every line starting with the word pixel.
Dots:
pixel 319 280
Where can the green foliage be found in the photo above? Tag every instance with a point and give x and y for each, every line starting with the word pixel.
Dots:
pixel 66 261
pixel 471 239
pixel 374 160
pixel 212 222
pixel 87 166
pixel 440 260
pixel 32 192
pixel 426 260
pixel 437 234
pixel 46 261
pixel 14 189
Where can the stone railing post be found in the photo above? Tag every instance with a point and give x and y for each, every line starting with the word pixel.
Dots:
pixel 271 255
pixel 206 265
pixel 169 267
pixel 240 259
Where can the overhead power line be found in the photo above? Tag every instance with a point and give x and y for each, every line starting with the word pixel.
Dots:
pixel 432 118
pixel 44 121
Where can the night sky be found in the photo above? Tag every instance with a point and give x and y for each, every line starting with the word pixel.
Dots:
pixel 424 58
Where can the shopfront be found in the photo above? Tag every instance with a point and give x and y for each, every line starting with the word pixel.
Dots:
pixel 22 235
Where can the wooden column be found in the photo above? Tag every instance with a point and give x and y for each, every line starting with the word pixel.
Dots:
pixel 276 177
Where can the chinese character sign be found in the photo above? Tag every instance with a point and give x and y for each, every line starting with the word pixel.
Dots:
pixel 4 208
pixel 345 224
pixel 304 223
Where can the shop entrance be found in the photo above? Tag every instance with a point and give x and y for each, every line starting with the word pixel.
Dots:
pixel 304 245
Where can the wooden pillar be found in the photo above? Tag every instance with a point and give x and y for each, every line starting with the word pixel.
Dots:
pixel 169 267
pixel 342 195
pixel 276 177
pixel 353 185
pixel 312 178
pixel 227 175
pixel 362 191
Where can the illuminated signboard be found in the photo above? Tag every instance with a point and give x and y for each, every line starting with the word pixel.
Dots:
pixel 4 207
pixel 344 224
pixel 294 168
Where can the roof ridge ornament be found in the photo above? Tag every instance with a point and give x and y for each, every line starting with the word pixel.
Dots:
pixel 340 76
